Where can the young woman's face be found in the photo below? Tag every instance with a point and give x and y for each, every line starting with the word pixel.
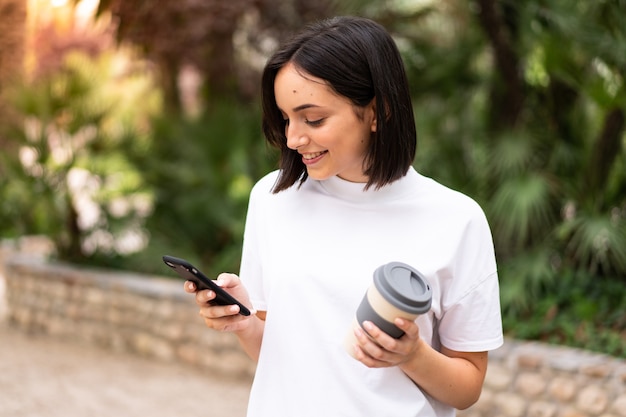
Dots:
pixel 323 127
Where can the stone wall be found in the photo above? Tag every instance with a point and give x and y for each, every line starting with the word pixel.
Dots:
pixel 147 315
pixel 152 316
pixel 530 379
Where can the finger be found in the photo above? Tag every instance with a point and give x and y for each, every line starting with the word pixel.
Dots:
pixel 409 327
pixel 384 341
pixel 381 338
pixel 227 280
pixel 367 351
pixel 219 312
pixel 378 335
pixel 222 318
pixel 189 286
pixel 204 297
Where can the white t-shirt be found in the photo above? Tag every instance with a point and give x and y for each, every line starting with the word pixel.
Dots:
pixel 308 258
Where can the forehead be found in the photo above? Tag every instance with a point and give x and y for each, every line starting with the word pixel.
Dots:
pixel 292 85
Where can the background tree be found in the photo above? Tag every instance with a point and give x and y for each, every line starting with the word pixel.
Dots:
pixel 521 105
pixel 201 33
pixel 518 104
pixel 12 43
pixel 73 104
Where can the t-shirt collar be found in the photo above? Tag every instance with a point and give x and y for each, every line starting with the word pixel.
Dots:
pixel 355 191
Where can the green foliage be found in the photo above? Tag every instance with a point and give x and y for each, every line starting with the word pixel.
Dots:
pixel 541 147
pixel 551 178
pixel 66 177
pixel 575 309
pixel 201 172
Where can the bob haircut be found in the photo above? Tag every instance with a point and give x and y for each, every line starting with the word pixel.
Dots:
pixel 360 61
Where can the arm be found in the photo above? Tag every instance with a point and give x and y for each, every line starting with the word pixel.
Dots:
pixel 452 377
pixel 251 337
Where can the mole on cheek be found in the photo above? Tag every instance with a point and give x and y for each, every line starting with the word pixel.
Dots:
pixel 294 91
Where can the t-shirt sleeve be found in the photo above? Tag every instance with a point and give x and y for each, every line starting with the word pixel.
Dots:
pixel 472 320
pixel 473 323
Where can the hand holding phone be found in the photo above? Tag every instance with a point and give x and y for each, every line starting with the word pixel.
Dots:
pixel 189 272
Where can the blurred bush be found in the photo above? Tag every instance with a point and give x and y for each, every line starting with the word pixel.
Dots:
pixel 66 175
pixel 522 106
pixel 201 171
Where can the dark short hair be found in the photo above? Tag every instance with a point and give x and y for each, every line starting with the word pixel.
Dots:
pixel 359 60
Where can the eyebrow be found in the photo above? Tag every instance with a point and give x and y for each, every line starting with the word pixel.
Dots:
pixel 302 107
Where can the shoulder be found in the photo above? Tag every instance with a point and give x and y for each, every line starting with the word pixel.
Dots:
pixel 448 201
pixel 449 210
pixel 265 184
pixel 262 193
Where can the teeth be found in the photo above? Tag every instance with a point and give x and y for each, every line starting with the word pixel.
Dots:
pixel 311 155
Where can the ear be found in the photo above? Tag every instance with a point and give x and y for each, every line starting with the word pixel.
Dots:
pixel 371 112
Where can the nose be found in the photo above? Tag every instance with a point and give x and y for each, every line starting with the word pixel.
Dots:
pixel 295 137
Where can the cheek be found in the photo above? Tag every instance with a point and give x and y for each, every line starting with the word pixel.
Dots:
pixel 351 139
pixel 355 151
pixel 364 140
pixel 358 141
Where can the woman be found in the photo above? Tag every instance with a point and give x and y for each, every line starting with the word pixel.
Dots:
pixel 345 201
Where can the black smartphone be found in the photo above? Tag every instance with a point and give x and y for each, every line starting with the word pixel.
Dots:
pixel 191 273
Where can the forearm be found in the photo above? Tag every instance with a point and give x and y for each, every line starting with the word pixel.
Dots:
pixel 251 337
pixel 454 378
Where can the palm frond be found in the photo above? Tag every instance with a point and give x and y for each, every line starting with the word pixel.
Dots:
pixel 522 209
pixel 525 276
pixel 596 241
pixel 512 154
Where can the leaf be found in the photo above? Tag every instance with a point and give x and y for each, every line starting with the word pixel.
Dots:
pixel 597 242
pixel 522 209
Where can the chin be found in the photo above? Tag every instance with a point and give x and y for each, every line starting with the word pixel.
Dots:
pixel 318 176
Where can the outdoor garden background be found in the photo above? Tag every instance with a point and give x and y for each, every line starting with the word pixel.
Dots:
pixel 131 129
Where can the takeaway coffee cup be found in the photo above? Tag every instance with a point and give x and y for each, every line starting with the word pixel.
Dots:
pixel 398 290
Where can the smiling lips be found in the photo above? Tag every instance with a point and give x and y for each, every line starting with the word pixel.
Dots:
pixel 311 158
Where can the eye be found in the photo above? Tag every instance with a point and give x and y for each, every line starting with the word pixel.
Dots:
pixel 314 123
